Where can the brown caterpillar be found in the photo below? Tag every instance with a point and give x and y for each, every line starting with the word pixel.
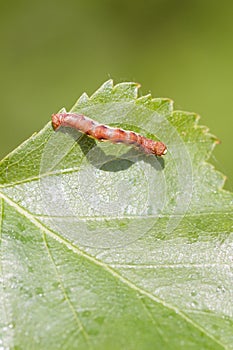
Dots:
pixel 102 132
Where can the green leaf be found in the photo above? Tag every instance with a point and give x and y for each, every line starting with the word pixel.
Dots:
pixel 103 247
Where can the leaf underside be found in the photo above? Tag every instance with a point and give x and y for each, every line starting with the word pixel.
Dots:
pixel 104 247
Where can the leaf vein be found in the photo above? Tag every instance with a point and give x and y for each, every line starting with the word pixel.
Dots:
pixel 62 287
pixel 107 268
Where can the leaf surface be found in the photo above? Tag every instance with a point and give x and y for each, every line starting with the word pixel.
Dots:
pixel 103 247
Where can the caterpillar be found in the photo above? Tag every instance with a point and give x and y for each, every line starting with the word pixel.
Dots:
pixel 103 132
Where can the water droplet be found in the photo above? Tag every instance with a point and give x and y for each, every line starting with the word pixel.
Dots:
pixel 215 327
pixel 220 289
pixel 39 291
pixel 86 313
pixel 194 293
pixel 100 320
pixel 194 304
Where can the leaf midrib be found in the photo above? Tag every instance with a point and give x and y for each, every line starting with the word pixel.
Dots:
pixel 108 269
pixel 62 287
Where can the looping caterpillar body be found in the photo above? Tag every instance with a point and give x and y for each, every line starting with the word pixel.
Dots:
pixel 103 132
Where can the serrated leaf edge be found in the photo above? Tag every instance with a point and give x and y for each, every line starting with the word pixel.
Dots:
pixel 109 85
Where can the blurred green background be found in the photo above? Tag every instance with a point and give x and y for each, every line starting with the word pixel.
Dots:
pixel 52 51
